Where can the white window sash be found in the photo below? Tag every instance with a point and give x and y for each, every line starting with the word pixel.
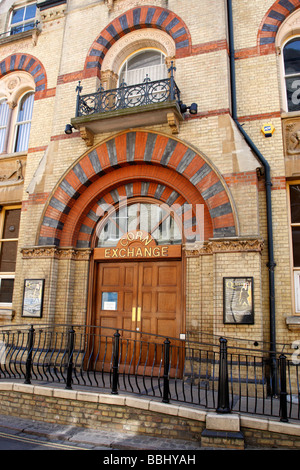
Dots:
pixel 154 72
pixel 20 25
pixel 22 128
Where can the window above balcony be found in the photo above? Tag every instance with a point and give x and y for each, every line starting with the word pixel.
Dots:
pixel 137 86
pixel 146 63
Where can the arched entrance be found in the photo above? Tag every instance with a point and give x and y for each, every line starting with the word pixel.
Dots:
pixel 160 175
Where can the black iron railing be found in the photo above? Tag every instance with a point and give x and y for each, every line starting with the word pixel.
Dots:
pixel 147 92
pixel 20 29
pixel 215 375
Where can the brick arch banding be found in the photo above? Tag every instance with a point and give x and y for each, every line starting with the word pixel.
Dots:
pixel 26 63
pixel 274 17
pixel 135 157
pixel 147 188
pixel 134 19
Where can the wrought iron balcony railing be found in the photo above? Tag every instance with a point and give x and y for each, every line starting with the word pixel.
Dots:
pixel 148 92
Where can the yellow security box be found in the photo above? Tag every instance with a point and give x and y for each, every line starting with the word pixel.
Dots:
pixel 268 130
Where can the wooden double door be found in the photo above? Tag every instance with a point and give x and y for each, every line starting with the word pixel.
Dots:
pixel 142 299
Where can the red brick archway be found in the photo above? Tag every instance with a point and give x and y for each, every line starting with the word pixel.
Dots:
pixel 126 165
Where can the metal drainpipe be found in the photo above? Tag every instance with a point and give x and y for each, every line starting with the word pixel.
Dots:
pixel 268 183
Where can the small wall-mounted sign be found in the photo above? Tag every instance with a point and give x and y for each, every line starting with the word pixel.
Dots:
pixel 268 130
pixel 238 300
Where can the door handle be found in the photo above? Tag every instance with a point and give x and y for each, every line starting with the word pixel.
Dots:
pixel 139 312
pixel 133 314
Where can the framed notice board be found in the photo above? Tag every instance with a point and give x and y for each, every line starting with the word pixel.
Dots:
pixel 238 307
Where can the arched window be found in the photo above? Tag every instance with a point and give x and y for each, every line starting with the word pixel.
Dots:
pixel 148 63
pixel 291 58
pixel 154 219
pixel 23 122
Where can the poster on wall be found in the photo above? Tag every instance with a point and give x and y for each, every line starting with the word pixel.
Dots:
pixel 238 300
pixel 33 298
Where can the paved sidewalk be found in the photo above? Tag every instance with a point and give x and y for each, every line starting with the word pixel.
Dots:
pixel 95 439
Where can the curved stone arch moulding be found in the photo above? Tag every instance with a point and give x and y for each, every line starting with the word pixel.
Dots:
pixel 273 19
pixel 135 19
pixel 26 63
pixel 140 156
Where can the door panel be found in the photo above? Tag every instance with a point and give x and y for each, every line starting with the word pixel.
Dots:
pixel 143 297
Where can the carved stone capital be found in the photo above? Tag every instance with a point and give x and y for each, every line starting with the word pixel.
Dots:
pixel 193 250
pixel 109 4
pixel 109 79
pixel 247 245
pixel 53 252
pixel 229 245
pixel 169 61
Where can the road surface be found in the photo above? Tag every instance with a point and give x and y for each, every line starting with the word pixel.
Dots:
pixel 18 441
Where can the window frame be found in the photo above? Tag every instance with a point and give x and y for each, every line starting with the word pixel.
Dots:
pixel 21 24
pixel 10 139
pixel 6 274
pixel 284 76
pixel 137 52
pixel 5 127
pixel 15 124
pixel 165 220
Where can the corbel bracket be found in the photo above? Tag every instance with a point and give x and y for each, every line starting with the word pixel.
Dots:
pixel 87 136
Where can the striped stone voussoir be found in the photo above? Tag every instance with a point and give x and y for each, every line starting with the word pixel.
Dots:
pixel 134 19
pixel 26 63
pixel 279 11
pixel 134 164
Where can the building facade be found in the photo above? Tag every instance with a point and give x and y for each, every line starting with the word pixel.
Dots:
pixel 150 164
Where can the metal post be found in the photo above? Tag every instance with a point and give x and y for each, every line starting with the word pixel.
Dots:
pixel 122 92
pixel 79 90
pixel 115 378
pixel 146 90
pixel 29 355
pixel 70 358
pixel 283 392
pixel 166 371
pixel 223 388
pixel 172 83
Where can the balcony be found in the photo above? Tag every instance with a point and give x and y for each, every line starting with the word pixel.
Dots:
pixel 144 104
pixel 17 33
